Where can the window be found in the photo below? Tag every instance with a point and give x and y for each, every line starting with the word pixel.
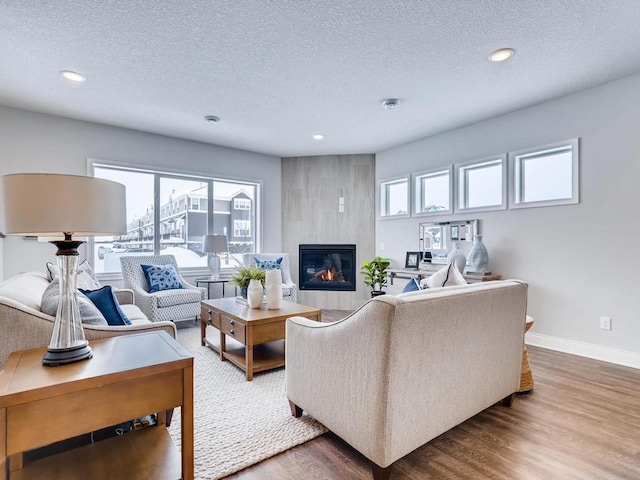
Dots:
pixel 242 204
pixel 187 208
pixel 394 198
pixel 544 176
pixel 482 185
pixel 432 192
pixel 241 228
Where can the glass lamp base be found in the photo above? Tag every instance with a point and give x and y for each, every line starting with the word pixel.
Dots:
pixel 214 266
pixel 62 356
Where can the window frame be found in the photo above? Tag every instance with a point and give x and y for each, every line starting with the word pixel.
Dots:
pixel 383 194
pixel 418 191
pixel 462 168
pixel 516 178
pixel 160 172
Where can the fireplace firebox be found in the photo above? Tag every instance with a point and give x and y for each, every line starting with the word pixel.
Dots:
pixel 327 267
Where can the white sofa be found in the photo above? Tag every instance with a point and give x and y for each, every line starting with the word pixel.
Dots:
pixel 401 370
pixel 24 326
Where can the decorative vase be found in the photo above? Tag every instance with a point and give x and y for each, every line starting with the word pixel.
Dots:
pixel 457 257
pixel 478 257
pixel 255 293
pixel 273 283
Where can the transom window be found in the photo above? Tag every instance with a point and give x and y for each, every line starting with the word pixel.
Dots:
pixel 394 198
pixel 432 192
pixel 482 185
pixel 545 176
pixel 169 213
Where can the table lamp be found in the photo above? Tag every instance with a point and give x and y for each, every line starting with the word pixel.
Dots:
pixel 54 205
pixel 212 245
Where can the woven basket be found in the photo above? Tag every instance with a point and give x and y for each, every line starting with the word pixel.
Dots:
pixel 526 377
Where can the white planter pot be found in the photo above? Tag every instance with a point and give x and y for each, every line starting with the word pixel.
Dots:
pixel 274 289
pixel 255 293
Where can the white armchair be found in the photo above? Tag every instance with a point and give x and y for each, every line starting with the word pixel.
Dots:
pixel 289 289
pixel 173 305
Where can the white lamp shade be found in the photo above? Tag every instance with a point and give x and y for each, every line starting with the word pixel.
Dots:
pixel 214 244
pixel 49 204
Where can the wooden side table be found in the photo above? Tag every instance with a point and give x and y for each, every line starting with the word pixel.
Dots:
pixel 128 377
pixel 526 377
pixel 420 274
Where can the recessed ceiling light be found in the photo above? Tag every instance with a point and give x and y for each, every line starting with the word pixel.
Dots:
pixel 212 119
pixel 501 55
pixel 318 136
pixel 391 103
pixel 73 76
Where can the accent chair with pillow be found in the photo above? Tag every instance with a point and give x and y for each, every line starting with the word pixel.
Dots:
pixel 280 261
pixel 160 291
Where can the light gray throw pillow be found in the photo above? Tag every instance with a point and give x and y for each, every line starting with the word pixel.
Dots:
pixel 89 313
pixel 85 277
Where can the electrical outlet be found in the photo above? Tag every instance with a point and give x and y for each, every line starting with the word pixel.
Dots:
pixel 605 323
pixel 382 246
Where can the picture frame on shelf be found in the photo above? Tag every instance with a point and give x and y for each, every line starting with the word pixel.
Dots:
pixel 412 260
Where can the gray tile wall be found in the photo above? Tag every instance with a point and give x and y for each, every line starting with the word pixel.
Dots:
pixel 311 188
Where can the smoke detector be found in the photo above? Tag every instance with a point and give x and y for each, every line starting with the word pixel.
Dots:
pixel 391 103
pixel 212 119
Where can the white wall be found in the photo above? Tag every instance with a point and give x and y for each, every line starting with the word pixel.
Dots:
pixel 577 259
pixel 34 142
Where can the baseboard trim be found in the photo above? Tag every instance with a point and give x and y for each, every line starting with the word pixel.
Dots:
pixel 606 354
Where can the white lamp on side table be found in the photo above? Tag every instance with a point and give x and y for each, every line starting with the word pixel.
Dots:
pixel 212 245
pixel 53 205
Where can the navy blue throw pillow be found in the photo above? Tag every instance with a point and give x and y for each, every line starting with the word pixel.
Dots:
pixel 411 286
pixel 107 303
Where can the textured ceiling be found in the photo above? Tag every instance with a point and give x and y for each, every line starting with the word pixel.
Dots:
pixel 278 71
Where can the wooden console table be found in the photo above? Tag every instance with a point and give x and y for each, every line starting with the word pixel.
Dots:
pixel 405 273
pixel 128 377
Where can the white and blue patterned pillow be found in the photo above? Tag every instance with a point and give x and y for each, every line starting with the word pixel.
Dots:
pixel 268 264
pixel 161 277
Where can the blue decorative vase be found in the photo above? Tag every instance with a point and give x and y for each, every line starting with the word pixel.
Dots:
pixel 478 256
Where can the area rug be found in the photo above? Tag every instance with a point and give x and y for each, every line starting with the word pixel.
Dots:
pixel 237 423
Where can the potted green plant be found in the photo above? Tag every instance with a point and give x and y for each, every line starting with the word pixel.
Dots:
pixel 375 274
pixel 243 275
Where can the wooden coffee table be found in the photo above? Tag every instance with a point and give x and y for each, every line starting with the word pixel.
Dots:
pixel 257 334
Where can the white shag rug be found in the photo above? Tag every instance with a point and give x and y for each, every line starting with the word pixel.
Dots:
pixel 237 423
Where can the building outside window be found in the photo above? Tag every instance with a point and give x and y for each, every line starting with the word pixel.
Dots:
pixel 184 217
pixel 242 203
pixel 241 228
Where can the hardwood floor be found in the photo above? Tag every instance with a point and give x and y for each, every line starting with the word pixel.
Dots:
pixel 582 421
